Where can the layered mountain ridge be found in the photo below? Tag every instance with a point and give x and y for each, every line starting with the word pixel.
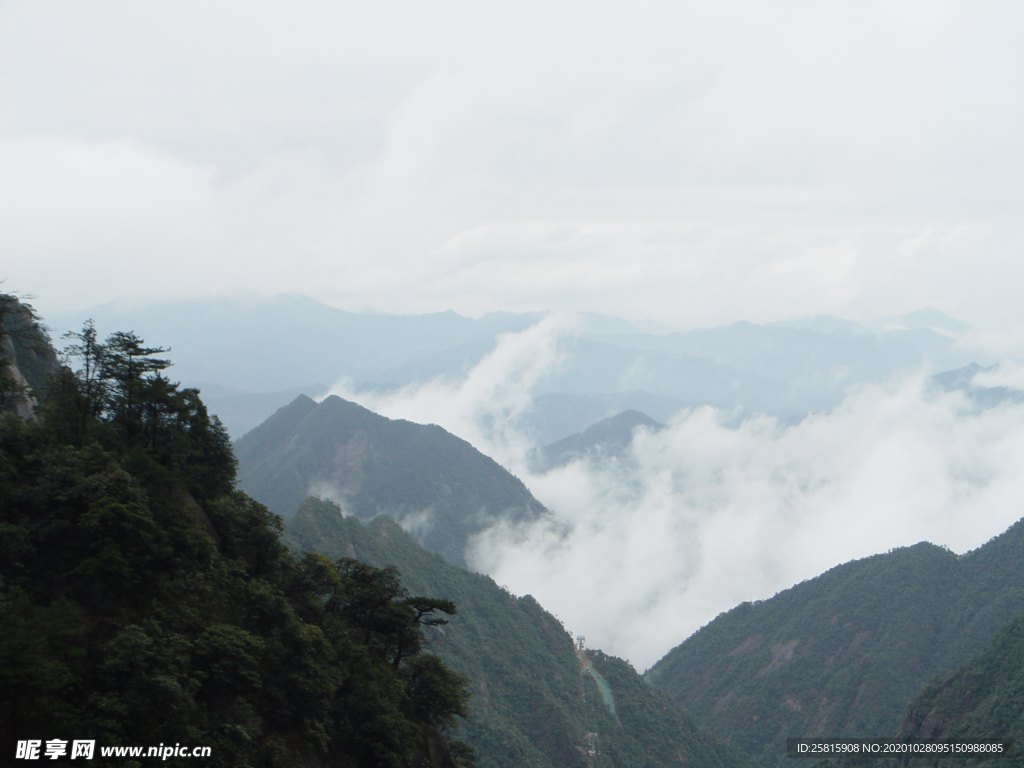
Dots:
pixel 435 483
pixel 609 365
pixel 533 704
pixel 846 652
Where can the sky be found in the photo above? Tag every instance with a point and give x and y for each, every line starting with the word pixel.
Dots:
pixel 687 163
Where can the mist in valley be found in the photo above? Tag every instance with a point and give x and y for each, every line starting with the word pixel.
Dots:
pixel 298 200
pixel 647 546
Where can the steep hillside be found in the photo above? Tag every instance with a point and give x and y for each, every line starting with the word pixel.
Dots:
pixel 532 704
pixel 435 483
pixel 840 654
pixel 846 652
pixel 144 600
pixel 555 417
pixel 982 700
pixel 987 593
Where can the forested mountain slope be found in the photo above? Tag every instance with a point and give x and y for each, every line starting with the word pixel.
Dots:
pixel 982 700
pixel 532 705
pixel 434 482
pixel 145 601
pixel 846 652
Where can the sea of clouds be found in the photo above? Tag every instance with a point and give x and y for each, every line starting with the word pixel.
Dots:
pixel 645 548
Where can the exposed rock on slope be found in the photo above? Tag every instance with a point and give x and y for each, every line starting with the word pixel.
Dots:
pixel 983 700
pixel 846 652
pixel 26 357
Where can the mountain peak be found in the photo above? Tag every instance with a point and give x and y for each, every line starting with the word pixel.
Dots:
pixel 435 484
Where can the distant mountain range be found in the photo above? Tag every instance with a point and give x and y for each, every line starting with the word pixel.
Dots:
pixel 277 346
pixel 274 343
pixel 439 486
pixel 962 379
pixel 608 438
pixel 806 359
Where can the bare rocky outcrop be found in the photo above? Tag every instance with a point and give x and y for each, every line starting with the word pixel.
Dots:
pixel 18 400
pixel 27 359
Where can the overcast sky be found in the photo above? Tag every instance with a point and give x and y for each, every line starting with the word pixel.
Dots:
pixel 690 163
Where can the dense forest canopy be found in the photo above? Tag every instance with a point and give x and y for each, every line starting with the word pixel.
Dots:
pixel 144 600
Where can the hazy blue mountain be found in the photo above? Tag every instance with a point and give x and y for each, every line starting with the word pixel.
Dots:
pixel 818 324
pixel 617 365
pixel 276 343
pixel 929 317
pixel 241 411
pixel 822 363
pixel 844 653
pixel 962 379
pixel 608 438
pixel 557 416
pixel 536 698
pixel 437 485
pixel 449 364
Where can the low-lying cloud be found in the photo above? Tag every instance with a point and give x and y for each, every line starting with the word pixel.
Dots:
pixel 487 406
pixel 702 516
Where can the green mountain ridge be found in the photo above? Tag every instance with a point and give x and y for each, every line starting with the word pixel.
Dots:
pixel 435 483
pixel 846 652
pixel 532 705
pixel 144 600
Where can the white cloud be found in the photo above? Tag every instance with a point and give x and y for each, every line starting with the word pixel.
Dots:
pixel 486 406
pixel 701 516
